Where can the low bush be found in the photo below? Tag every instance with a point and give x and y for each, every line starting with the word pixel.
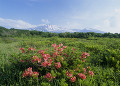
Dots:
pixel 59 65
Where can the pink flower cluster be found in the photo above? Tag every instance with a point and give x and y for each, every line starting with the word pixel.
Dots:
pixel 57 46
pixel 72 79
pixel 58 50
pixel 84 70
pixel 46 63
pixel 47 59
pixel 48 76
pixel 69 74
pixel 30 73
pixel 55 54
pixel 91 73
pixel 41 52
pixel 56 59
pixel 82 75
pixel 58 65
pixel 22 49
pixel 31 49
pixel 35 58
pixel 84 56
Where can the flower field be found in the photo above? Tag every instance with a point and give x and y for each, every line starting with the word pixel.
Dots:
pixel 37 61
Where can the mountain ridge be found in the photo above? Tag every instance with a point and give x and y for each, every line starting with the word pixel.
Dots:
pixel 58 29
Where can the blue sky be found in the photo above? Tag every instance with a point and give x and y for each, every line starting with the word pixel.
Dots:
pixel 74 14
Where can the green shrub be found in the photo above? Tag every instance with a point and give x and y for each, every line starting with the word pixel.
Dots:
pixel 60 66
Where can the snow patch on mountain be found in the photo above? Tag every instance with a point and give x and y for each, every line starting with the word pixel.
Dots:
pixel 58 29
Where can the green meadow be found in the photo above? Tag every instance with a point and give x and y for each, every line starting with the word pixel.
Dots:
pixel 104 59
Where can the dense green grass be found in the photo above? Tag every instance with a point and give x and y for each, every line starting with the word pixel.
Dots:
pixel 104 57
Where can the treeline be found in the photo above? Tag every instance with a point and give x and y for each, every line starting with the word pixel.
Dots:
pixel 4 32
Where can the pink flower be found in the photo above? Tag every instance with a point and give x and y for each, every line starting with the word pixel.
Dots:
pixel 27 72
pixel 88 67
pixel 74 49
pixel 55 54
pixel 46 56
pixel 64 47
pixel 49 64
pixel 62 58
pixel 60 45
pixel 84 54
pixel 22 60
pixel 54 45
pixel 39 60
pixel 41 52
pixel 61 49
pixel 45 63
pixel 72 79
pixel 22 49
pixel 50 61
pixel 58 65
pixel 48 76
pixel 80 57
pixel 31 49
pixel 91 73
pixel 83 60
pixel 30 73
pixel 77 68
pixel 35 58
pixel 36 74
pixel 84 70
pixel 69 74
pixel 82 76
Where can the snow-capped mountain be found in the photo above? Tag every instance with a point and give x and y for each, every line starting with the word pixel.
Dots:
pixel 51 28
pixel 57 29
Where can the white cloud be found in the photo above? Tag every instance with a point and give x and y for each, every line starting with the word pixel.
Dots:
pixel 20 24
pixel 112 23
pixel 97 26
pixel 73 25
pixel 107 22
pixel 117 10
pixel 45 21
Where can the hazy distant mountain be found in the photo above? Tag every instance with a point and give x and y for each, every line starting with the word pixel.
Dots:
pixel 57 29
pixel 88 30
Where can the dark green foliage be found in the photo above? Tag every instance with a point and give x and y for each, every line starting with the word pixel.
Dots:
pixel 4 32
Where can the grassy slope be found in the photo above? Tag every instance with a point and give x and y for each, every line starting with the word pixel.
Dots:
pixel 104 75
